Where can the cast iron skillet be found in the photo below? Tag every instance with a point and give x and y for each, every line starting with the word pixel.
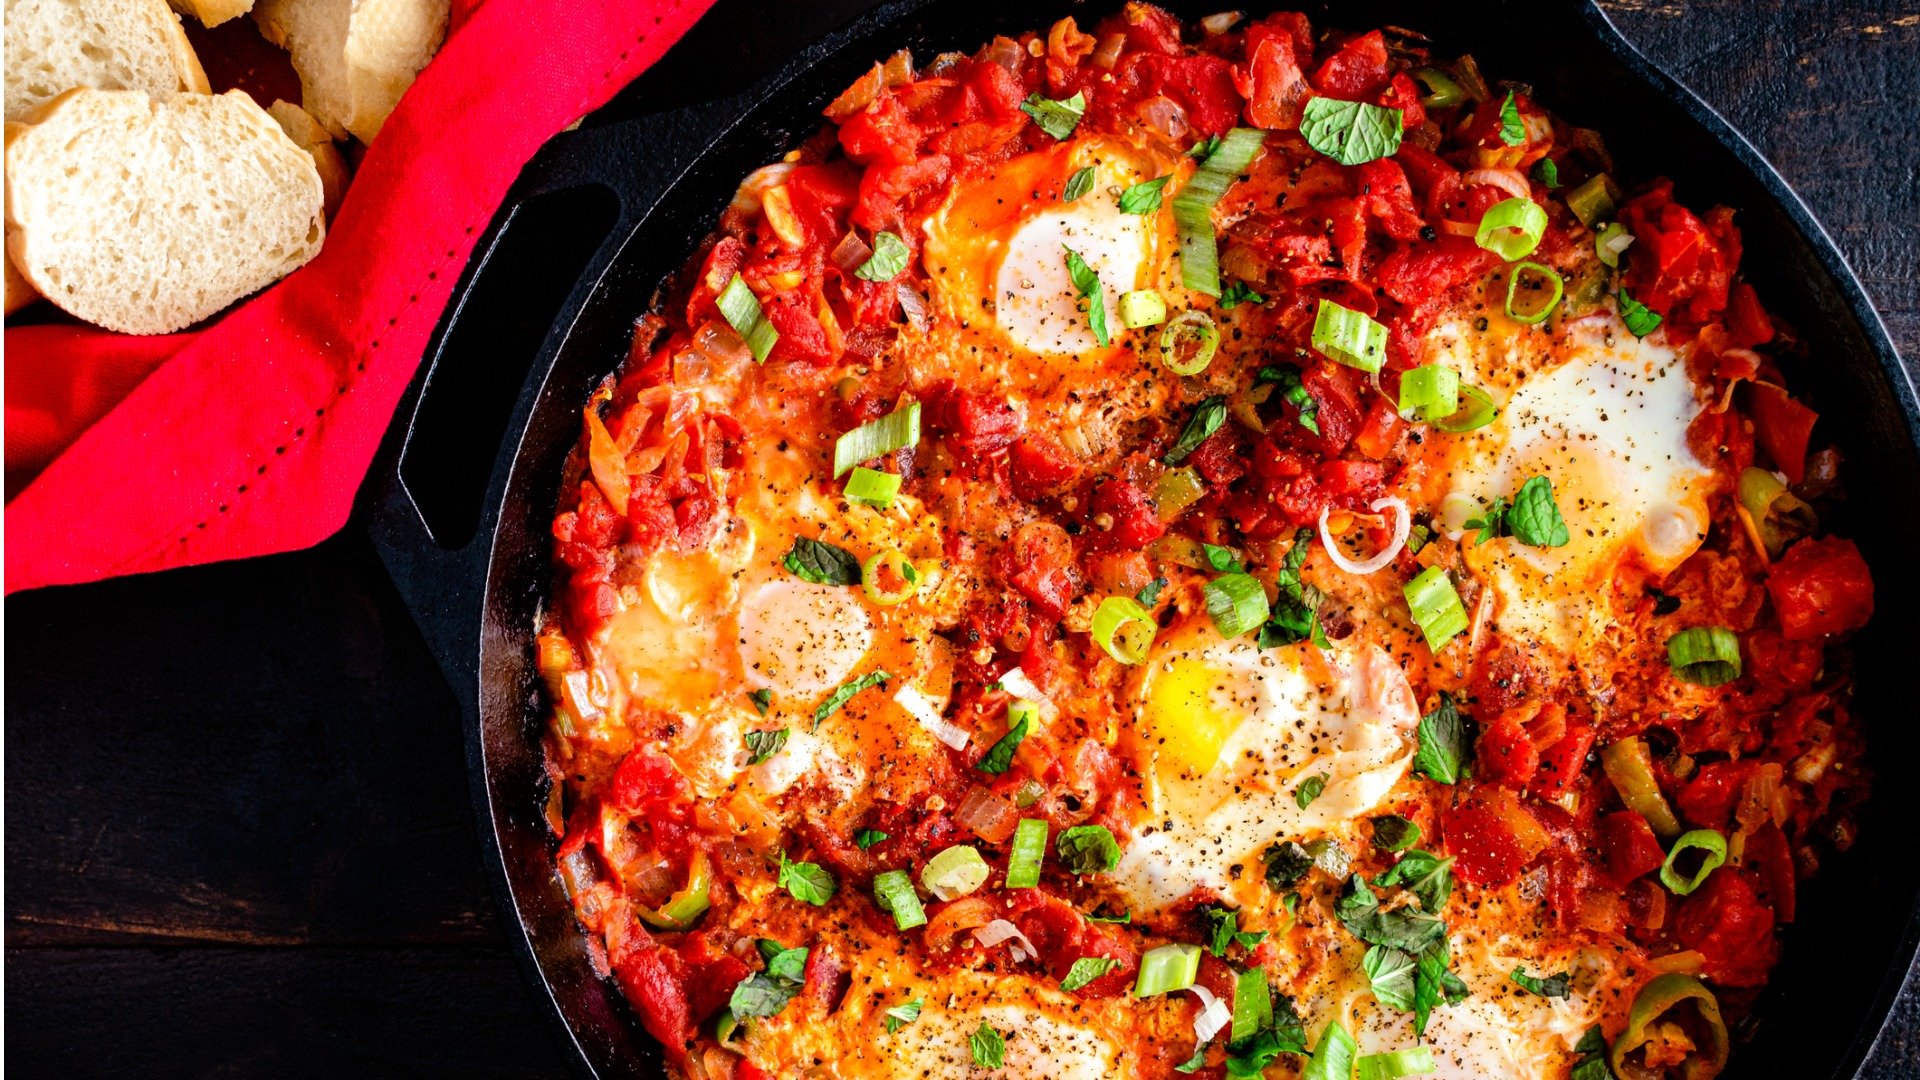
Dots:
pixel 461 502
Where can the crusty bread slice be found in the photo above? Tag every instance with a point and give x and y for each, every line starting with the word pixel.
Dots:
pixel 307 134
pixel 19 291
pixel 213 12
pixel 147 216
pixel 355 57
pixel 55 45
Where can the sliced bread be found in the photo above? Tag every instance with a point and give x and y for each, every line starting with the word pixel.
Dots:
pixel 55 45
pixel 147 216
pixel 213 12
pixel 19 293
pixel 354 57
pixel 307 133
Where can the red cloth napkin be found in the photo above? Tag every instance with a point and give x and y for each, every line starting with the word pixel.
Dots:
pixel 251 436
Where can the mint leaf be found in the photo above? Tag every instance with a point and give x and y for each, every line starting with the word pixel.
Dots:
pixel 762 745
pixel 1512 131
pixel 1086 969
pixel 822 563
pixel 1426 875
pixel 1088 849
pixel 901 1015
pixel 1390 973
pixel 889 257
pixel 1077 185
pixel 1056 118
pixel 1086 281
pixel 1207 418
pixel 1535 518
pixel 806 881
pixel 1350 132
pixel 1143 198
pixel 845 693
pixel 866 838
pixel 999 756
pixel 1641 320
pixel 1310 789
pixel 1553 986
pixel 989 1048
pixel 1445 741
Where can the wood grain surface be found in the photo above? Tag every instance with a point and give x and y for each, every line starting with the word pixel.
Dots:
pixel 238 840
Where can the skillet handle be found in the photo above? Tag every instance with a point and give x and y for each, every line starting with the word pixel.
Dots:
pixel 432 496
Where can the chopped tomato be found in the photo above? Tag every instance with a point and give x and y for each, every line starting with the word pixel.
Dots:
pixel 1747 322
pixel 1122 516
pixel 1506 754
pixel 821 196
pixel 1387 197
pixel 1768 854
pixel 1708 797
pixel 647 782
pixel 1782 427
pixel 802 337
pixel 825 979
pixel 1820 587
pixel 1681 266
pixel 651 979
pixel 1491 835
pixel 1380 429
pixel 1628 847
pixel 711 975
pixel 1038 466
pixel 883 133
pixel 1562 763
pixel 889 193
pixel 1728 925
pixel 1357 70
pixel 1272 80
pixel 1201 85
pixel 975 423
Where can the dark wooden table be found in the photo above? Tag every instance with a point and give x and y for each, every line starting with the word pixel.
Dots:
pixel 238 840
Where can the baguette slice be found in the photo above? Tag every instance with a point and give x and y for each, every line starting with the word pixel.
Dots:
pixel 56 45
pixel 307 134
pixel 354 57
pixel 19 293
pixel 212 12
pixel 146 217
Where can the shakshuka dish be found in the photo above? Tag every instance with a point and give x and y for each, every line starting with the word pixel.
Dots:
pixel 1231 549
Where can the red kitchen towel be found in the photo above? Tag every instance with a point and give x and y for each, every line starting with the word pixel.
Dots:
pixel 253 435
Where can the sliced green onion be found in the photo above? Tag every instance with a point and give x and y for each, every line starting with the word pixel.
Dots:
pixel 1662 1002
pixel 893 890
pixel 1436 606
pixel 1629 767
pixel 1020 709
pixel 873 487
pixel 1028 793
pixel 1252 1005
pixel 1188 342
pixel 1349 337
pixel 1610 242
pixel 1713 849
pixel 1193 207
pixel 1477 410
pixel 1512 228
pixel 1430 392
pixel 1124 629
pixel 1704 656
pixel 1237 602
pixel 686 905
pixel 1177 489
pixel 1396 1063
pixel 954 872
pixel 1594 201
pixel 888 578
pixel 1513 287
pixel 1029 850
pixel 1442 91
pixel 741 309
pixel 1142 307
pixel 897 430
pixel 1165 969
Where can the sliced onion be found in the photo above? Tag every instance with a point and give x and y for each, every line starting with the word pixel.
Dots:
pixel 1006 52
pixel 991 817
pixel 913 304
pixel 1221 22
pixel 851 253
pixel 1214 1013
pixel 746 198
pixel 577 688
pixel 1165 116
pixel 921 708
pixel 1000 930
pixel 1015 682
pixel 1108 53
pixel 1402 525
pixel 1507 180
pixel 1455 510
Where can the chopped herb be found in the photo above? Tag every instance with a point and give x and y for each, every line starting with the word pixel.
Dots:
pixel 762 700
pixel 1088 849
pixel 1086 969
pixel 1204 149
pixel 1310 789
pixel 1195 1063
pixel 765 993
pixel 1391 832
pixel 1222 559
pixel 1151 592
pixel 1445 740
pixel 1547 173
pixel 1492 521
pixel 989 1049
pixel 1239 292
pixel 889 257
pixel 1287 863
pixel 1077 185
pixel 901 1015
pixel 762 745
pixel 1207 418
pixel 822 563
pixel 1592 1064
pixel 1282 1034
pixel 1426 875
pixel 1553 986
pixel 1531 517
pixel 806 881
pixel 1287 381
pixel 1123 917
pixel 1295 613
pixel 1223 929
pixel 866 838
pixel 1056 118
pixel 1390 972
pixel 999 756
pixel 1512 131
pixel 1333 1058
pixel 845 693
pixel 1087 283
pixel 1641 320
pixel 1407 929
pixel 1143 198
pixel 1351 132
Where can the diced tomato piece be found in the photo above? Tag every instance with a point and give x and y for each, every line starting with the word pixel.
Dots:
pixel 889 192
pixel 1135 524
pixel 724 260
pixel 1506 754
pixel 1039 564
pixel 711 975
pixel 1432 271
pixel 1387 197
pixel 1682 265
pixel 1357 70
pixel 1038 467
pixel 1272 80
pixel 1728 925
pixel 1768 854
pixel 1747 322
pixel 1217 459
pixel 883 133
pixel 1339 412
pixel 1491 835
pixel 1782 427
pixel 1201 85
pixel 1562 763
pixel 1708 797
pixel 1379 430
pixel 802 337
pixel 1147 29
pixel 650 978
pixel 975 423
pixel 591 600
pixel 1820 587
pixel 822 195
pixel 825 979
pixel 1628 847
pixel 1401 93
pixel 647 782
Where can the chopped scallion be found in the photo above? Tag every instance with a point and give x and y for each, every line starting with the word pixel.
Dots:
pixel 1124 629
pixel 893 890
pixel 1713 852
pixel 1429 393
pixel 954 872
pixel 1704 656
pixel 1142 307
pixel 1193 207
pixel 1237 602
pixel 1436 606
pixel 1594 201
pixel 888 578
pixel 742 311
pixel 1165 969
pixel 1476 410
pixel 1395 1064
pixel 1611 242
pixel 1187 343
pixel 1534 313
pixel 897 430
pixel 1029 851
pixel 1512 228
pixel 1349 337
pixel 873 487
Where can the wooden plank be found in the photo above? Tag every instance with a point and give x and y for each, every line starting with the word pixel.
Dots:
pixel 258 753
